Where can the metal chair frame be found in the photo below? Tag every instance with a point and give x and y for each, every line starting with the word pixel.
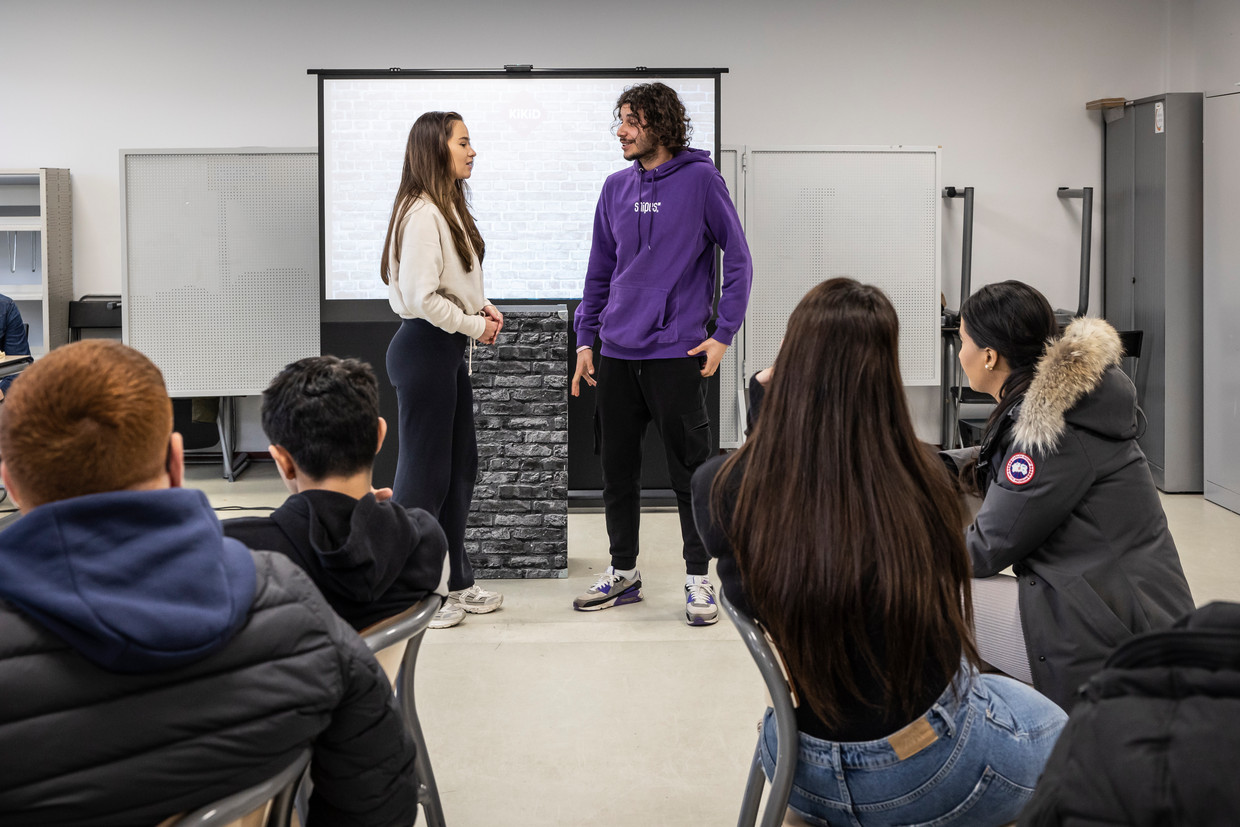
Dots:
pixel 789 736
pixel 409 627
pixel 279 790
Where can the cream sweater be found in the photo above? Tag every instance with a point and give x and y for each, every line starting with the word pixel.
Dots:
pixel 430 282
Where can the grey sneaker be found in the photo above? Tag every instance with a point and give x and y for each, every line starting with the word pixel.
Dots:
pixel 611 590
pixel 700 606
pixel 449 614
pixel 476 600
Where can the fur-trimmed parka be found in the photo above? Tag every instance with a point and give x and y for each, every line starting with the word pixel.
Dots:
pixel 1070 505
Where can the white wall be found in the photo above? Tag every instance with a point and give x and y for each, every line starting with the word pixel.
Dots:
pixel 1000 84
pixel 1216 44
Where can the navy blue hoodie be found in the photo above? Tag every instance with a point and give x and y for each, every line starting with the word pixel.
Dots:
pixel 134 581
pixel 650 282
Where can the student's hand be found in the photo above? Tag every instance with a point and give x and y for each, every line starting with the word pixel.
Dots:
pixel 491 331
pixel 382 494
pixel 714 355
pixel 492 312
pixel 585 370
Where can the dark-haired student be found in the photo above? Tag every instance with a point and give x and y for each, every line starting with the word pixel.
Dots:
pixel 150 665
pixel 839 532
pixel 1068 499
pixel 371 557
pixel 647 301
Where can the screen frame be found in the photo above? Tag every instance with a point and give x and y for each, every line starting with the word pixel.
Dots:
pixel 369 310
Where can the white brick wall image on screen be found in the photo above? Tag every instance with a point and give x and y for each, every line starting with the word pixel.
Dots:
pixel 544 147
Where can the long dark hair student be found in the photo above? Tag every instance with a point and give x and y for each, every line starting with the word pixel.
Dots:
pixel 840 533
pixel 428 171
pixel 842 513
pixel 1068 500
pixel 432 264
pixel 1015 320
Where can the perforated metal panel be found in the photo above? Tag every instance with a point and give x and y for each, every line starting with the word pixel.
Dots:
pixel 730 379
pixel 870 213
pixel 221 264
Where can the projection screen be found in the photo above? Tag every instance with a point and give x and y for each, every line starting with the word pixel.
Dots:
pixel 545 143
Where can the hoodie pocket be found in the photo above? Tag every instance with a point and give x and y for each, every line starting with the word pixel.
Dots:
pixel 635 316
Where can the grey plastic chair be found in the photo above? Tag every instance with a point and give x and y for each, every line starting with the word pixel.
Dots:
pixel 278 790
pixel 408 627
pixel 785 728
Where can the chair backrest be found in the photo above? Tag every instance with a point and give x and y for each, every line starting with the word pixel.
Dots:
pixel 1130 341
pixel 278 790
pixel 789 736
pixel 410 627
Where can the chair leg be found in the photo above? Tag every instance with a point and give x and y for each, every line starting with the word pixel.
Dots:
pixel 753 789
pixel 428 790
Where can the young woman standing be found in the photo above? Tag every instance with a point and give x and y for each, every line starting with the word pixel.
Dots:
pixel 839 531
pixel 432 265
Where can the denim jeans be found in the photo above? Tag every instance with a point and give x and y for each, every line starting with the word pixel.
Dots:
pixel 993 739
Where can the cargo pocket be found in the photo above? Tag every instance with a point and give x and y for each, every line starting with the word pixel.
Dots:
pixel 697 437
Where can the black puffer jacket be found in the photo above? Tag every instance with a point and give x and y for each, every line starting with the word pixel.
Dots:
pixel 1154 740
pixel 1070 505
pixel 182 668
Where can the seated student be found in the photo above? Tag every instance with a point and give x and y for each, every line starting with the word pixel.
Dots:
pixel 13 340
pixel 148 664
pixel 839 532
pixel 1068 500
pixel 371 558
pixel 1153 741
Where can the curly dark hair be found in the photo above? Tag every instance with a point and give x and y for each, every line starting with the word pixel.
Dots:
pixel 666 121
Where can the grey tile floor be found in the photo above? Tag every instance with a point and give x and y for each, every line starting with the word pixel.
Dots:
pixel 539 715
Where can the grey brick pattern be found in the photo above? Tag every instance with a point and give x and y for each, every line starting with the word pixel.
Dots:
pixel 544 148
pixel 518 526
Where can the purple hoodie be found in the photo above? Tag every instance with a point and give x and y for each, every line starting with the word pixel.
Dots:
pixel 650 283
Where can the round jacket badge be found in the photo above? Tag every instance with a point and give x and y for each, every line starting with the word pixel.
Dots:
pixel 1019 469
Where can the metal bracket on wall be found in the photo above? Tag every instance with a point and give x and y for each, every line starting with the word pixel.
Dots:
pixel 1086 194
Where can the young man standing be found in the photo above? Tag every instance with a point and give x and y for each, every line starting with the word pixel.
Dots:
pixel 647 299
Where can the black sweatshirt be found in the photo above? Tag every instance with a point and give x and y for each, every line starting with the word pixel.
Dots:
pixel 370 559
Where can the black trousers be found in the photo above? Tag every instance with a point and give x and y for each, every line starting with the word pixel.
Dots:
pixel 437 463
pixel 671 393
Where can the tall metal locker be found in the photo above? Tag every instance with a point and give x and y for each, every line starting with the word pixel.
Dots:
pixel 1153 272
pixel 1222 298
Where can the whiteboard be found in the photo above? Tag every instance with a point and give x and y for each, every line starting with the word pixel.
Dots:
pixel 220 252
pixel 869 213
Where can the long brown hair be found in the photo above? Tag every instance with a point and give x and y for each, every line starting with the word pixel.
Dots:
pixel 428 171
pixel 843 517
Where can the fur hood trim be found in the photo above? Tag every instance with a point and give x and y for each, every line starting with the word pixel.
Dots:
pixel 1070 368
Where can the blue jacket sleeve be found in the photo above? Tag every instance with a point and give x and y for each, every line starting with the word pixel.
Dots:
pixel 723 227
pixel 601 268
pixel 15 342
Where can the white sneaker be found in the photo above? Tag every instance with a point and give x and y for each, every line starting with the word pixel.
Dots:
pixel 700 606
pixel 476 600
pixel 448 615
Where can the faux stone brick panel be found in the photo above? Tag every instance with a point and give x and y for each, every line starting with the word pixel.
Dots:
pixel 518 527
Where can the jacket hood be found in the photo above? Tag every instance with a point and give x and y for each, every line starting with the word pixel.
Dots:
pixel 651 178
pixel 350 541
pixel 688 155
pixel 134 581
pixel 1078 380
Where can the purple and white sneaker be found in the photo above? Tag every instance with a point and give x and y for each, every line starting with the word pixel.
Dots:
pixel 611 590
pixel 700 606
